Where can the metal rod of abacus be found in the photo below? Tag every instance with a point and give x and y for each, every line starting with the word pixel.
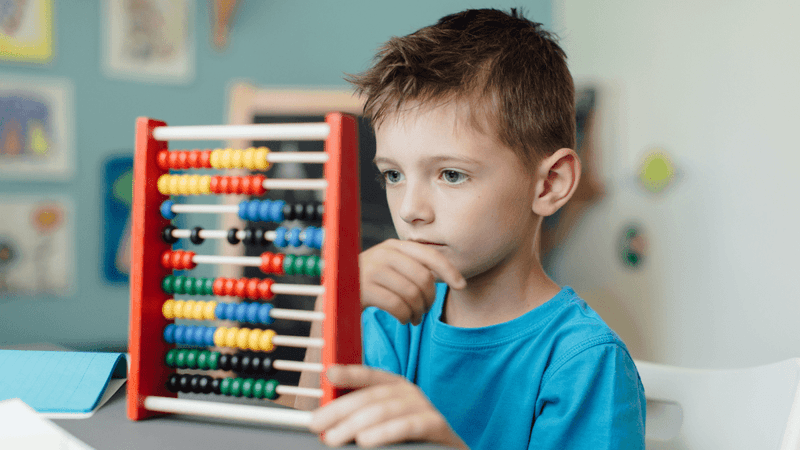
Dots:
pixel 296 390
pixel 298 157
pixel 296 366
pixel 298 341
pixel 296 314
pixel 298 184
pixel 214 209
pixel 261 132
pixel 259 414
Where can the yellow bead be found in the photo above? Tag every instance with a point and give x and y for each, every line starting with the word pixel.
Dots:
pixel 183 184
pixel 205 184
pixel 209 310
pixel 248 160
pixel 193 185
pixel 167 309
pixel 242 337
pixel 188 307
pixel 197 313
pixel 230 337
pixel 215 159
pixel 163 184
pixel 253 339
pixel 219 336
pixel 236 159
pixel 174 184
pixel 261 158
pixel 225 160
pixel 177 309
pixel 265 342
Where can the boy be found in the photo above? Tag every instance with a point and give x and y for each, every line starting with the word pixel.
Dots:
pixel 475 125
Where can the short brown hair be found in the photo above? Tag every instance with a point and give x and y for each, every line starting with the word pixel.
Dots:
pixel 501 64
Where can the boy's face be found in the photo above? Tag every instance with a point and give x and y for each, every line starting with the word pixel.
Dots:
pixel 456 189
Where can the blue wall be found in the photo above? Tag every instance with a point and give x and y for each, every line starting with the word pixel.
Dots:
pixel 298 43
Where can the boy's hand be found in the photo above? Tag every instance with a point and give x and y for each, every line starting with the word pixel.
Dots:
pixel 388 409
pixel 399 277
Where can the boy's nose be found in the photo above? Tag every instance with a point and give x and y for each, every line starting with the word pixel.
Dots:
pixel 416 205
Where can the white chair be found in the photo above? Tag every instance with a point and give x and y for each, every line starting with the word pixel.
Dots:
pixel 751 409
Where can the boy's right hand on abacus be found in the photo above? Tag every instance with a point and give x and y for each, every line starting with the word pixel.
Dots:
pixel 399 277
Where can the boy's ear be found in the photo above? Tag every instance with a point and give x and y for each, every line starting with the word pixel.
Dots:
pixel 557 177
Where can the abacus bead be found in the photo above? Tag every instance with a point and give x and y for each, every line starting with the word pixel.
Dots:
pixel 310 211
pixel 220 310
pixel 241 288
pixel 264 314
pixel 245 185
pixel 230 311
pixel 194 384
pixel 193 158
pixel 187 260
pixel 299 211
pixel 209 310
pixel 243 338
pixel 270 387
pixel 311 266
pixel 204 384
pixel 186 310
pixel 213 360
pixel 236 387
pixel 208 339
pixel 265 211
pixel 179 285
pixel 180 359
pixel 252 288
pixel 236 362
pixel 258 237
pixel 195 236
pixel 258 185
pixel 208 286
pixel 248 236
pixel 294 237
pixel 232 238
pixel 299 265
pixel 247 387
pixel 319 212
pixel 288 212
pixel 219 336
pixel 166 210
pixel 265 342
pixel 166 260
pixel 167 309
pixel 265 266
pixel 172 382
pixel 168 284
pixel 197 312
pixel 184 383
pixel 266 366
pixel 166 235
pixel 216 385
pixel 236 185
pixel 244 210
pixel 252 312
pixel 177 309
pixel 180 334
pixel 163 160
pixel 265 289
pixel 230 337
pixel 288 264
pixel 258 389
pixel 244 362
pixel 253 339
pixel 230 286
pixel 191 359
pixel 225 386
pixel 224 361
pixel 169 359
pixel 276 264
pixel 169 333
pixel 218 287
pixel 241 312
pixel 276 211
pixel 318 266
pixel 202 360
pixel 280 237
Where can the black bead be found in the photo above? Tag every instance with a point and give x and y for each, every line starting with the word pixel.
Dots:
pixel 319 212
pixel 215 386
pixel 236 363
pixel 248 236
pixel 195 236
pixel 258 237
pixel 244 363
pixel 183 383
pixel 288 212
pixel 224 361
pixel 266 366
pixel 166 235
pixel 299 211
pixel 194 384
pixel 204 384
pixel 311 212
pixel 255 364
pixel 232 236
pixel 172 382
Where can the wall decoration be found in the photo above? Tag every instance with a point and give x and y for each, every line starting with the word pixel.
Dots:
pixel 37 246
pixel 36 129
pixel 633 246
pixel 117 201
pixel 26 30
pixel 149 40
pixel 656 171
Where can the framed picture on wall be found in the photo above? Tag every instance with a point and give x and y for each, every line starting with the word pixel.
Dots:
pixel 149 40
pixel 36 129
pixel 26 30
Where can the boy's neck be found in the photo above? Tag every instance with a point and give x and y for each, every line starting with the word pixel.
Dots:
pixel 498 296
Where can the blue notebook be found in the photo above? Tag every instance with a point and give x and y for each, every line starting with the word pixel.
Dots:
pixel 59 382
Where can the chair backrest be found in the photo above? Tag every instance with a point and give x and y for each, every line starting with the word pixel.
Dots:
pixel 692 409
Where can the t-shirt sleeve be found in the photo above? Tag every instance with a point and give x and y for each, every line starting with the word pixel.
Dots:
pixel 379 340
pixel 592 400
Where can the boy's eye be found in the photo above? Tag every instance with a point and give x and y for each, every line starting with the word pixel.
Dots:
pixel 390 177
pixel 453 176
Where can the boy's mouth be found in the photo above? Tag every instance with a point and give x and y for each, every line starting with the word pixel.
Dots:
pixel 426 242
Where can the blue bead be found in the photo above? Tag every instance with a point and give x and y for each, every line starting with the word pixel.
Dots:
pixel 252 312
pixel 294 237
pixel 241 312
pixel 276 213
pixel 314 237
pixel 263 314
pixel 169 333
pixel 264 208
pixel 280 237
pixel 230 311
pixel 220 311
pixel 253 210
pixel 209 336
pixel 191 334
pixel 243 210
pixel 166 210
pixel 180 334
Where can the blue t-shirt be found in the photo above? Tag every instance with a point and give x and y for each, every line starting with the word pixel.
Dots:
pixel 556 377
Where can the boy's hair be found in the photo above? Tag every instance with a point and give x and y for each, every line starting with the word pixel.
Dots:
pixel 511 73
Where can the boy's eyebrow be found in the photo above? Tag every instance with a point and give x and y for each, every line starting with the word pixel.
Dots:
pixel 431 159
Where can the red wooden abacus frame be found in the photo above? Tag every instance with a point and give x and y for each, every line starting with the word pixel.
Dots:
pixel 340 278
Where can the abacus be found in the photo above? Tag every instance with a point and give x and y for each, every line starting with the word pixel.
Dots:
pixel 158 346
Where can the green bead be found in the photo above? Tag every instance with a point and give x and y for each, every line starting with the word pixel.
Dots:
pixel 213 360
pixel 179 285
pixel 191 359
pixel 225 386
pixel 180 359
pixel 310 268
pixel 199 286
pixel 190 290
pixel 202 360
pixel 236 387
pixel 168 284
pixel 170 358
pixel 258 389
pixel 299 263
pixel 208 286
pixel 319 267
pixel 288 264
pixel 247 387
pixel 270 388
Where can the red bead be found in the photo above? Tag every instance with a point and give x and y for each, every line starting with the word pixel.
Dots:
pixel 213 184
pixel 183 160
pixel 219 286
pixel 173 160
pixel 265 289
pixel 266 261
pixel 230 285
pixel 277 264
pixel 252 288
pixel 235 185
pixel 241 288
pixel 163 159
pixel 193 158
pixel 205 159
pixel 257 185
pixel 166 260
pixel 245 184
pixel 224 185
pixel 175 260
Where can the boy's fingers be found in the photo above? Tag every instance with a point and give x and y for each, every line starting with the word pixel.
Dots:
pixel 356 376
pixel 434 261
pixel 392 303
